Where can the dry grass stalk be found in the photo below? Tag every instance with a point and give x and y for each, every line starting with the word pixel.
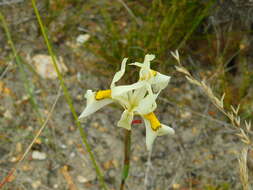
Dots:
pixel 16 167
pixel 68 178
pixel 243 168
pixel 242 128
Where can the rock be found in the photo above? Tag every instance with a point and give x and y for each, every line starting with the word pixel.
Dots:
pixel 36 155
pixel 82 179
pixel 7 114
pixel 55 186
pixel 45 68
pixel 36 184
pixel 82 38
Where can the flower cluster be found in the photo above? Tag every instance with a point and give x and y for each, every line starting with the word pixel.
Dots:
pixel 137 99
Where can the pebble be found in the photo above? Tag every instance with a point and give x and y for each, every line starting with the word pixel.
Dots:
pixel 36 184
pixel 7 114
pixel 82 38
pixel 36 155
pixel 82 179
pixel 45 68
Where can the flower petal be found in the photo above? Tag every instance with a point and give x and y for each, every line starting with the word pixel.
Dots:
pixel 138 94
pixel 126 120
pixel 151 134
pixel 154 78
pixel 119 90
pixel 148 58
pixel 159 82
pixel 147 104
pixel 92 104
pixel 145 71
pixel 164 130
pixel 118 75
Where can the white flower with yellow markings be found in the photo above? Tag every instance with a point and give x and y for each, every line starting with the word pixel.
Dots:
pixel 157 80
pixel 137 99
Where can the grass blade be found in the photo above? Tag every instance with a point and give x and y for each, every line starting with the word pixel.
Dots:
pixel 68 98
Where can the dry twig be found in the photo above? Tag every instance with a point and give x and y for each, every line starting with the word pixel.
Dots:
pixel 14 169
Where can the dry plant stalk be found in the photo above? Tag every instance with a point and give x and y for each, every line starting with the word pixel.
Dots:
pixel 242 128
pixel 12 172
pixel 68 178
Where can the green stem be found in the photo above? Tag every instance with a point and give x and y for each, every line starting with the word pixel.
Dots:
pixel 127 152
pixel 68 99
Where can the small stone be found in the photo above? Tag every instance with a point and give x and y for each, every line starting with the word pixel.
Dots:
pixel 36 155
pixel 176 186
pixel 13 159
pixel 36 184
pixel 112 173
pixel 7 114
pixel 72 155
pixel 63 146
pixel 45 68
pixel 186 115
pixel 82 38
pixel 55 186
pixel 82 179
pixel 95 125
pixel 70 142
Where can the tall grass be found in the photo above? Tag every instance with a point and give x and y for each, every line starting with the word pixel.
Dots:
pixel 152 27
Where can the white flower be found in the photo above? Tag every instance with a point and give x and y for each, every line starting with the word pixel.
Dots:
pixel 154 128
pixel 137 99
pixel 120 94
pixel 95 101
pixel 135 102
pixel 157 80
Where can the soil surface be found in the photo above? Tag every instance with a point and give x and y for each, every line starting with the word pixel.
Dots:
pixel 201 155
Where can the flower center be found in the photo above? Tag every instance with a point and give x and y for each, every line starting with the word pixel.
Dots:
pixel 102 94
pixel 155 124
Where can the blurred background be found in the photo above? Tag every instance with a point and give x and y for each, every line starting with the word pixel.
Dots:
pixel 90 38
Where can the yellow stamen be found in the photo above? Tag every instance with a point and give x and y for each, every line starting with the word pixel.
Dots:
pixel 155 124
pixel 102 94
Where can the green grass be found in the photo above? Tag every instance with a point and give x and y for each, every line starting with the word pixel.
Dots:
pixel 157 28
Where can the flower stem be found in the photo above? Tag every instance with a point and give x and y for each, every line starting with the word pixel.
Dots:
pixel 127 153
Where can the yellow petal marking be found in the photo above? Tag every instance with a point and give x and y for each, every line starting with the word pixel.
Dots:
pixel 102 94
pixel 155 124
pixel 152 73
